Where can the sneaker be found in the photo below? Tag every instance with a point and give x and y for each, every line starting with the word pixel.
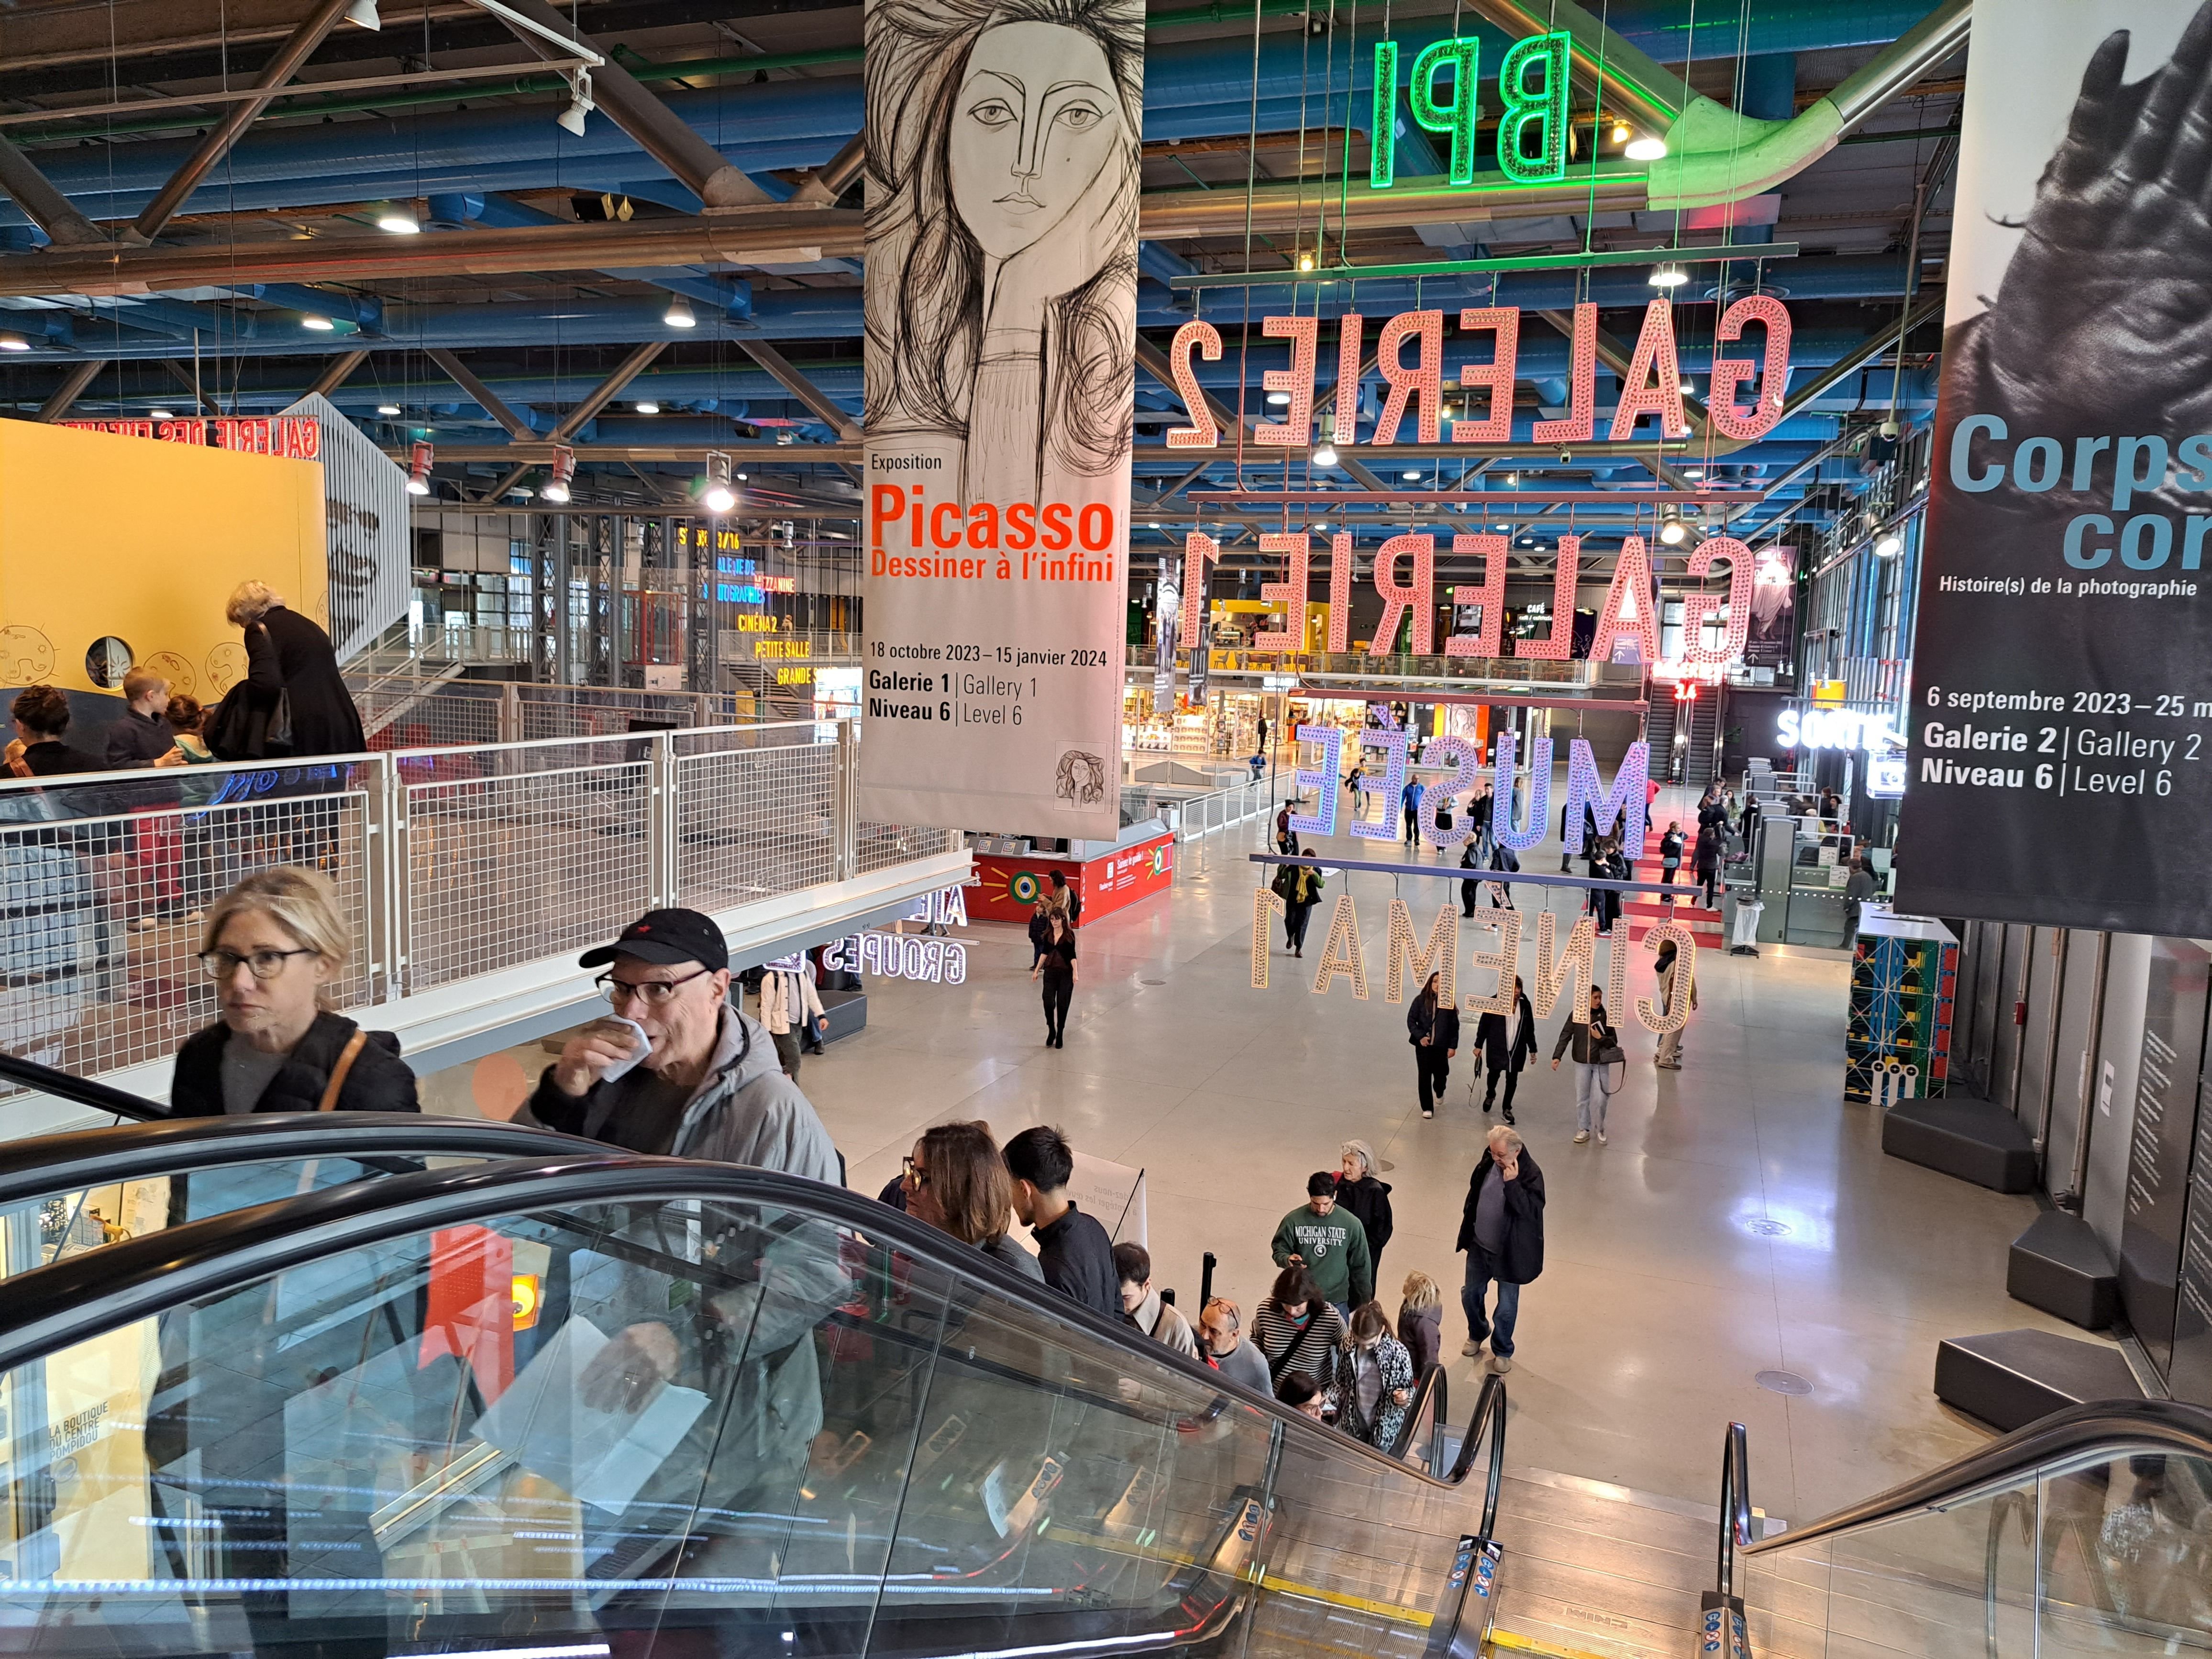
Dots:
pixel 1425 1112
pixel 1500 1364
pixel 193 915
pixel 1670 1065
pixel 1600 1136
pixel 1581 1135
pixel 144 924
pixel 1471 1347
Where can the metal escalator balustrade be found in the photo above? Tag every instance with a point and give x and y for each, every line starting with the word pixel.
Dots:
pixel 743 1413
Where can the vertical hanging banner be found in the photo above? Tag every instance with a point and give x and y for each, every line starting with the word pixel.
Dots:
pixel 2062 692
pixel 1000 363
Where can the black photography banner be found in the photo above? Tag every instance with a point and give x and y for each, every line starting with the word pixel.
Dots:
pixel 2060 765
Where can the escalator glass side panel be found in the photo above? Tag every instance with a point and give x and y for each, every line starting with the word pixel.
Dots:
pixel 710 1427
pixel 2100 1553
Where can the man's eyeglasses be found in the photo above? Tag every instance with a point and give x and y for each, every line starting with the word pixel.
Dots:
pixel 265 964
pixel 912 1173
pixel 655 991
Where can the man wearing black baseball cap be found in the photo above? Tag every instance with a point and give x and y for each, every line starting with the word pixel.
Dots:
pixel 704 1082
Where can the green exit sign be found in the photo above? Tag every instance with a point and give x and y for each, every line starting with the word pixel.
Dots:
pixel 1531 91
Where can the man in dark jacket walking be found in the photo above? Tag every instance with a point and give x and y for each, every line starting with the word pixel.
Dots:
pixel 1504 1054
pixel 1502 1232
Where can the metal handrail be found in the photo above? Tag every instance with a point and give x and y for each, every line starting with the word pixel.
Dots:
pixel 1430 1395
pixel 66 1086
pixel 1489 1416
pixel 1735 1505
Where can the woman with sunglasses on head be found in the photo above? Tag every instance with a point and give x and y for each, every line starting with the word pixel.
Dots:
pixel 273 945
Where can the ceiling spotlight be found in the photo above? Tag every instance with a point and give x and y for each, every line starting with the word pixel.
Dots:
pixel 1513 479
pixel 1320 530
pixel 1620 132
pixel 418 469
pixel 321 325
pixel 1305 262
pixel 563 469
pixel 1889 546
pixel 1689 387
pixel 718 496
pixel 679 313
pixel 1694 472
pixel 1279 398
pixel 362 15
pixel 10 341
pixel 571 120
pixel 1672 531
pixel 1325 455
pixel 1409 477
pixel 399 222
pixel 160 415
pixel 387 408
pixel 1645 149
pixel 1668 276
pixel 648 407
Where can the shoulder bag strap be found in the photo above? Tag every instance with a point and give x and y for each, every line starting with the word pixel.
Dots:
pixel 346 1055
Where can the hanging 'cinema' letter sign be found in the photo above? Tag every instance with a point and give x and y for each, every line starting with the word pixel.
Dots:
pixel 2062 679
pixel 1000 366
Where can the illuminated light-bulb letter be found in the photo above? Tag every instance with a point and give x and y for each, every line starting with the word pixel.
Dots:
pixel 1488 638
pixel 1625 800
pixel 1616 972
pixel 1686 978
pixel 1198 553
pixel 1398 599
pixel 1296 427
pixel 1340 955
pixel 1439 956
pixel 1730 418
pixel 1346 411
pixel 1383 130
pixel 1572 968
pixel 1201 433
pixel 1580 422
pixel 1265 907
pixel 1498 376
pixel 1323 779
pixel 1697 607
pixel 1340 591
pixel 1425 377
pixel 1291 594
pixel 1457 119
pixel 1392 741
pixel 1654 349
pixel 1629 607
pixel 1506 959
pixel 1541 59
pixel 1504 787
pixel 1465 759
pixel 1561 645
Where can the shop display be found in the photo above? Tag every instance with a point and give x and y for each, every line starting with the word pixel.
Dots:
pixel 1905 975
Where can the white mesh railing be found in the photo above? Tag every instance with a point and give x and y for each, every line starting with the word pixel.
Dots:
pixel 451 861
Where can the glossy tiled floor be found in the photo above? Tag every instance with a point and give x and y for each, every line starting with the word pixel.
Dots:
pixel 1661 1298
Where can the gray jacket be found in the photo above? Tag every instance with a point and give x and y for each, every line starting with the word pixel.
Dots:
pixel 745 1111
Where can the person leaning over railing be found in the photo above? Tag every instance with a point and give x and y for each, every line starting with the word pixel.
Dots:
pixel 272 944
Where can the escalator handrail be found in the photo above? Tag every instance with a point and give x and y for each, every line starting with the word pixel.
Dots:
pixel 99 1157
pixel 2111 1426
pixel 84 1296
pixel 84 1091
pixel 1431 1387
pixel 1489 1414
pixel 1736 1505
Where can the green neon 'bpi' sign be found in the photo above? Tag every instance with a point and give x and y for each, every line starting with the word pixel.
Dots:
pixel 1532 89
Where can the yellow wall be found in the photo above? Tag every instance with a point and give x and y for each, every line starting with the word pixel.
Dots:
pixel 143 540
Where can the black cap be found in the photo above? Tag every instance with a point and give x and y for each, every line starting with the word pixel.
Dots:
pixel 666 937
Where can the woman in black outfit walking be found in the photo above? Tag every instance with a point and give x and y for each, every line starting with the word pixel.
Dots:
pixel 1432 1027
pixel 1505 1052
pixel 1056 965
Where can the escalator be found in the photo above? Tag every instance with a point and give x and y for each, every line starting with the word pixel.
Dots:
pixel 452 1390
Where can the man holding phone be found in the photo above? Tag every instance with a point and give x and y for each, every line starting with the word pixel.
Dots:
pixel 677 1069
pixel 1502 1232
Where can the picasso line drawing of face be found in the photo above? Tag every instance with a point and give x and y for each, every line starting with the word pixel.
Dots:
pixel 1034 123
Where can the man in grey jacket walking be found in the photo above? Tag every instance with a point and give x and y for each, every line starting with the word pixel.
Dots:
pixel 707 1084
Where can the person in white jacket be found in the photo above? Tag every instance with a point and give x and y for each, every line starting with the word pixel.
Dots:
pixel 789 1005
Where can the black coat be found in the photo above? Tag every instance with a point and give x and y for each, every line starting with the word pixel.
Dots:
pixel 1523 1259
pixel 1438 1021
pixel 287 653
pixel 1709 849
pixel 1369 1200
pixel 378 1082
pixel 1490 1037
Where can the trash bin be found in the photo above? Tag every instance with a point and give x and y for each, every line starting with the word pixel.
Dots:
pixel 1743 928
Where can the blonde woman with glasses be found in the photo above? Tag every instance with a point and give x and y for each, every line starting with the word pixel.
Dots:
pixel 273 945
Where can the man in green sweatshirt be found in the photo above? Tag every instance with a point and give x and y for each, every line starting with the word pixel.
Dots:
pixel 1327 1243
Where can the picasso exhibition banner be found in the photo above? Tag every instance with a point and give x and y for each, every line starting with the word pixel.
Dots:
pixel 2061 694
pixel 1002 187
